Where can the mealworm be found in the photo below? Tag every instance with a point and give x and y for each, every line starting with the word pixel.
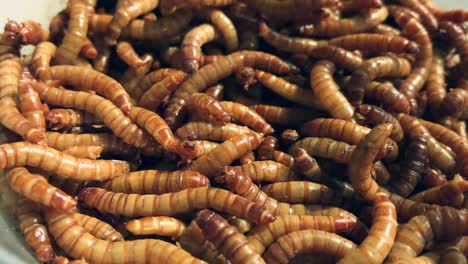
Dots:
pixel 156 182
pixel 203 105
pixel 285 43
pixel 307 165
pixel 25 33
pixel 352 25
pixel 339 151
pixel 43 54
pixel 213 162
pixel 193 240
pixel 375 43
pixel 289 10
pixel 441 223
pixel 375 115
pixel 186 201
pixel 302 192
pixel 101 108
pixel 84 151
pixel 210 131
pixel 412 167
pixel 75 35
pixel 62 119
pixel 417 33
pixel 66 231
pixel 124 14
pixel 225 27
pixel 283 158
pixel 30 105
pixel 289 136
pixel 31 224
pixel 453 141
pixel 36 188
pixel 286 116
pixel 427 18
pixel 438 154
pixel 245 76
pixel 386 30
pixel 267 147
pixel 360 165
pixel 295 243
pixel 436 84
pixel 89 79
pixel 98 228
pixel 170 6
pixel 328 92
pixel 55 161
pixel 132 76
pixel 101 62
pixel 156 94
pixel 216 91
pixel 357 5
pixel 10 117
pixel 127 53
pixel 109 142
pixel 288 90
pixel 392 99
pixel 341 57
pixel 433 178
pixel 377 67
pixel 242 225
pixel 156 126
pixel 455 103
pixel 450 193
pixel 263 236
pixel 149 80
pixel 214 72
pixel 88 50
pixel 407 209
pixel 265 171
pixel 157 225
pixel 247 116
pixel 64 260
pixel 191 46
pixel 227 238
pixel 345 131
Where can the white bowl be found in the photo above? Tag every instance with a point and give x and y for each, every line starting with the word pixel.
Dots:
pixel 13 249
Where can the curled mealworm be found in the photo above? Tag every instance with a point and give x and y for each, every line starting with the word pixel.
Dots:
pixel 307 165
pixel 234 245
pixel 98 228
pixel 375 115
pixel 211 131
pixel 224 67
pixel 66 229
pixel 311 241
pixel 216 91
pixel 55 161
pixel 10 117
pixel 213 162
pixel 62 119
pixel 441 223
pixel 191 46
pixel 330 98
pixel 264 235
pixel 455 103
pixel 106 111
pixel 393 100
pixel 156 182
pixel 203 105
pixel 88 79
pixel 341 57
pixel 75 35
pixel 42 56
pixel 28 32
pixel 284 43
pixel 450 193
pixel 438 154
pixel 387 66
pixel 375 43
pixel 247 116
pixel 126 13
pixel 427 18
pixel 36 188
pixel 187 201
pixel 412 168
pixel 156 225
pixel 288 90
pixel 225 26
pixel 84 151
pixel 127 53
pixel 345 131
pixel 156 94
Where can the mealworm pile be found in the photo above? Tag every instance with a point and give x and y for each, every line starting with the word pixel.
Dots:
pixel 249 131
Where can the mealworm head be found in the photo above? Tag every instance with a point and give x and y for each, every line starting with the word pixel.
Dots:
pixel 87 192
pixel 30 32
pixel 190 66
